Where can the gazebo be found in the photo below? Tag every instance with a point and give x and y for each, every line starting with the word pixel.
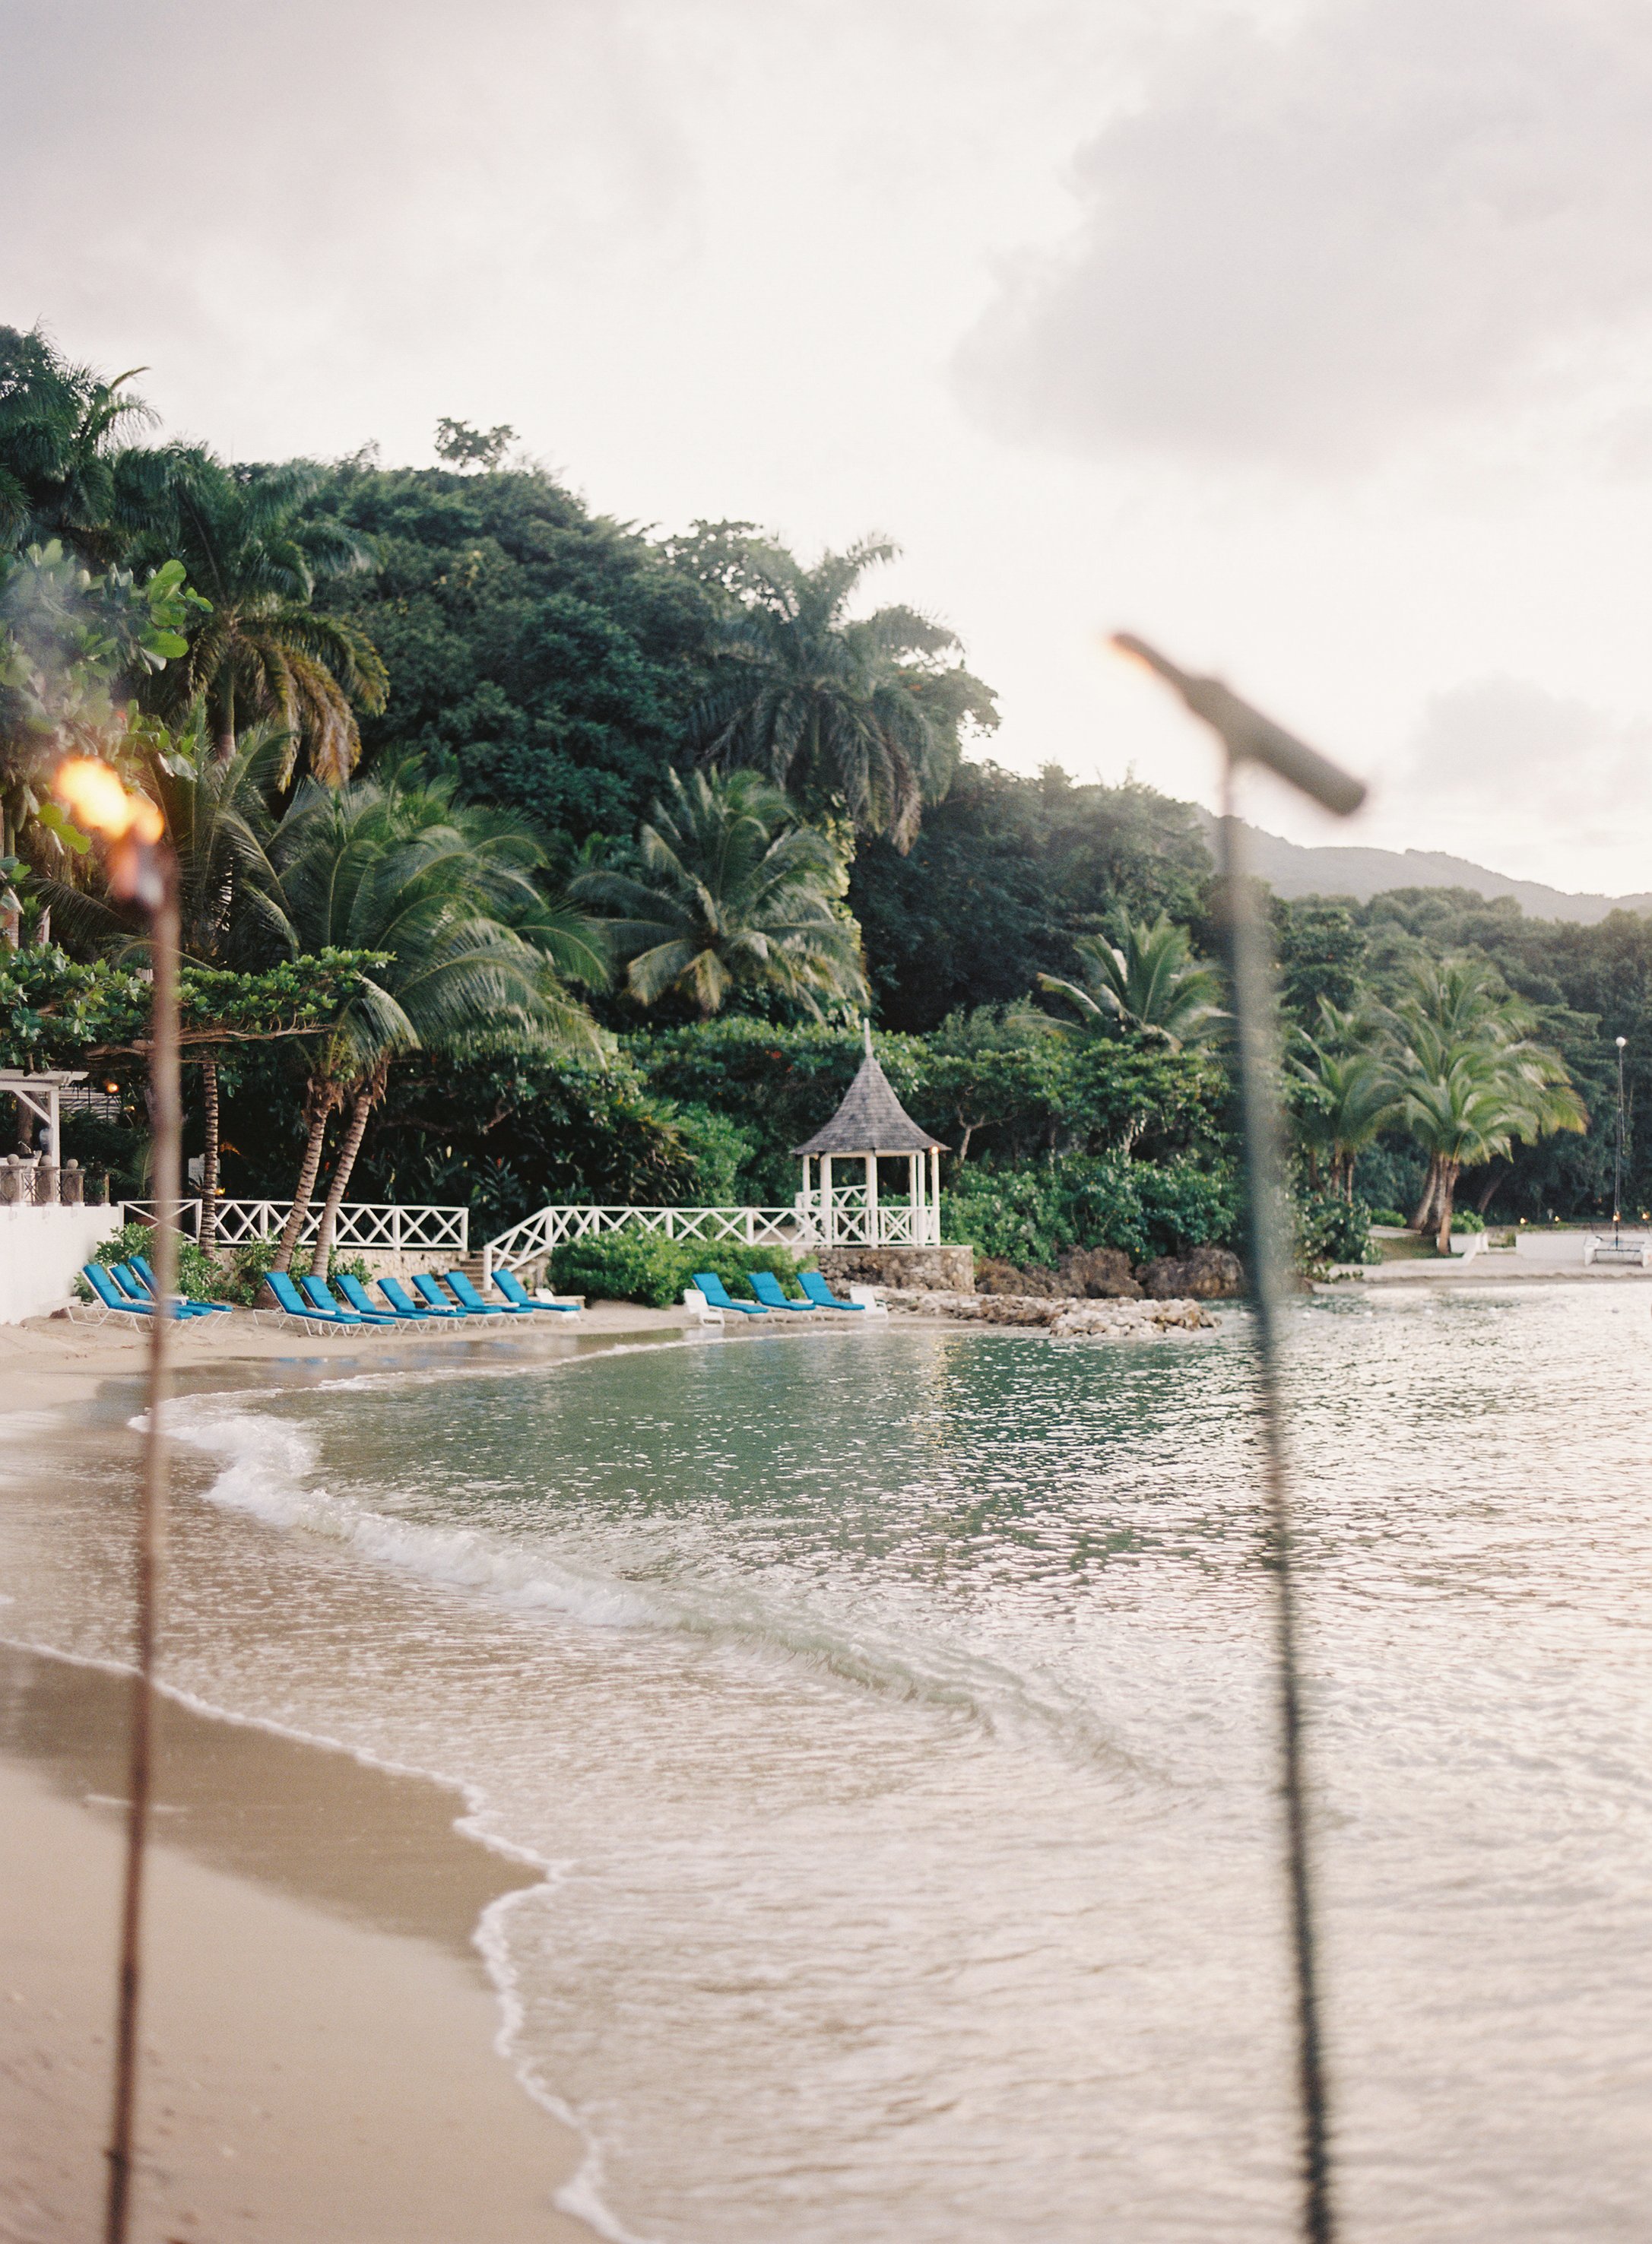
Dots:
pixel 871 1124
pixel 40 1098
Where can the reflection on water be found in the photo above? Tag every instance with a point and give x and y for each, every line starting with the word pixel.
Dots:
pixel 893 1710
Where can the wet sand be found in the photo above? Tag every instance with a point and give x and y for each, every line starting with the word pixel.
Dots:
pixel 318 2031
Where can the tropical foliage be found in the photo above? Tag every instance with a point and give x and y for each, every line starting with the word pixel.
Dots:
pixel 527 855
pixel 254 547
pixel 475 955
pixel 1148 981
pixel 732 891
pixel 861 715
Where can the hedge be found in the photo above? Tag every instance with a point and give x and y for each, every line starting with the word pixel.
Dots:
pixel 632 1265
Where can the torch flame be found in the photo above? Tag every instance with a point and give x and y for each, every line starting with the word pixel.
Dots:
pixel 93 792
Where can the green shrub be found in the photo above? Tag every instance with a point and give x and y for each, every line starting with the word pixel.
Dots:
pixel 1388 1217
pixel 1331 1229
pixel 197 1275
pixel 637 1266
pixel 251 1263
pixel 1030 1214
pixel 1467 1218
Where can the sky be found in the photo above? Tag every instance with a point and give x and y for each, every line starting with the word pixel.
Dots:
pixel 1311 342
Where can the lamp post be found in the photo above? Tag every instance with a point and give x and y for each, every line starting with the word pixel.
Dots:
pixel 1617 1158
pixel 142 870
pixel 1249 737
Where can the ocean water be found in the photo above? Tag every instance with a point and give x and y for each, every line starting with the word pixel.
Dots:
pixel 891 1710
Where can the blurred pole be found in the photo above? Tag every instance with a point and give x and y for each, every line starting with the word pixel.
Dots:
pixel 1246 735
pixel 149 1555
pixel 1271 1274
pixel 142 870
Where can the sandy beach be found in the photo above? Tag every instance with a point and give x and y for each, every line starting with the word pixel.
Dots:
pixel 319 2031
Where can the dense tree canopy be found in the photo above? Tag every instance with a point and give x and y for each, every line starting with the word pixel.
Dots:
pixel 549 656
pixel 1002 874
pixel 533 673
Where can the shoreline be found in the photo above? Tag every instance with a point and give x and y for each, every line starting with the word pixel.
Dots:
pixel 322 2040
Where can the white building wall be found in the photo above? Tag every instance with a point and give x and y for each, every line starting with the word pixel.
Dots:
pixel 41 1249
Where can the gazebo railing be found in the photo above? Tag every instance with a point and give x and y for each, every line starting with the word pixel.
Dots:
pixel 849 1221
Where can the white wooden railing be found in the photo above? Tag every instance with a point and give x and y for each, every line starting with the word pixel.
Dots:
pixel 384 1226
pixel 848 1222
pixel 534 1237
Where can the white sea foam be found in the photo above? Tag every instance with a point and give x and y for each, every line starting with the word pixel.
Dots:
pixel 271 1471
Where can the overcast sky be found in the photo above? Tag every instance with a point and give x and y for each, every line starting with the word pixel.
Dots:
pixel 1310 341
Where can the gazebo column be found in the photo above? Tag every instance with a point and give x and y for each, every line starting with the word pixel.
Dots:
pixel 828 1218
pixel 915 1195
pixel 935 1196
pixel 872 1200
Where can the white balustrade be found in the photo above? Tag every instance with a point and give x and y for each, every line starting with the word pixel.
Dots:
pixel 382 1226
pixel 802 1225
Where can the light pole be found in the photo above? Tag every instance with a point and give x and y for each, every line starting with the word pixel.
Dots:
pixel 1249 737
pixel 1617 1160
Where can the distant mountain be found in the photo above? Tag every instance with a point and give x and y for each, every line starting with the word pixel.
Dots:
pixel 1292 870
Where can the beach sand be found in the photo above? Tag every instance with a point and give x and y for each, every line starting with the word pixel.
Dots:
pixel 318 2029
pixel 320 2032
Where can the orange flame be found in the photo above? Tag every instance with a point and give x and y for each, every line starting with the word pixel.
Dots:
pixel 93 794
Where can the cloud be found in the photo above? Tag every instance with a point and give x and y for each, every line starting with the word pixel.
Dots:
pixel 1307 248
pixel 1506 756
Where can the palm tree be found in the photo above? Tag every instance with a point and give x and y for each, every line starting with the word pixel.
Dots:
pixel 230 912
pixel 229 903
pixel 1346 1095
pixel 733 891
pixel 265 651
pixel 1150 981
pixel 59 427
pixel 1472 1080
pixel 471 950
pixel 860 715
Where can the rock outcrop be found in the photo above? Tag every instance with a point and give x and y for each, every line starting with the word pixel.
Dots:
pixel 1102 1274
pixel 1062 1315
pixel 949 1269
pixel 1206 1274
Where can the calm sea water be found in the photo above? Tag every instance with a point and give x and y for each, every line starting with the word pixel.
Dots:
pixel 891 1709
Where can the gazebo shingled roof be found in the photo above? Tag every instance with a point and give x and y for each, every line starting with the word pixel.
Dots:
pixel 872 1120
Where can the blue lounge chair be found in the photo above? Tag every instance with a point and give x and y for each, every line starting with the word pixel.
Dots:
pixel 294 1307
pixel 470 1299
pixel 136 1288
pixel 320 1295
pixel 717 1293
pixel 356 1297
pixel 140 1264
pixel 429 1290
pixel 519 1298
pixel 109 1296
pixel 397 1294
pixel 773 1295
pixel 822 1294
pixel 134 1296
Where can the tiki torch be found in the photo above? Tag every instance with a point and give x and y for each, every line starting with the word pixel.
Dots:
pixel 141 870
pixel 1249 737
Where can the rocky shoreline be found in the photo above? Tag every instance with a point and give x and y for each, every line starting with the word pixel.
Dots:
pixel 1064 1316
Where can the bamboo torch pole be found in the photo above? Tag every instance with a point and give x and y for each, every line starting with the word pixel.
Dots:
pixel 1246 736
pixel 143 871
